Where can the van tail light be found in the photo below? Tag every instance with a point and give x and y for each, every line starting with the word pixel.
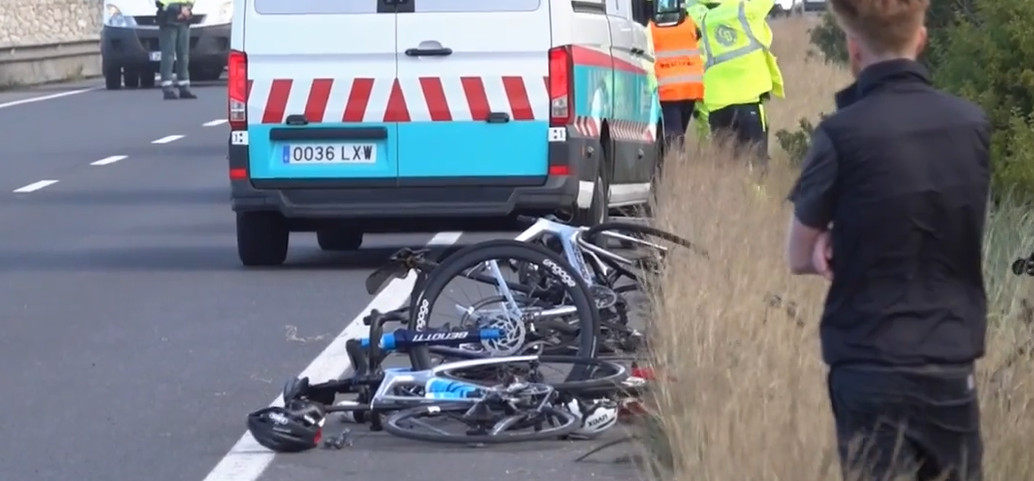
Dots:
pixel 561 78
pixel 237 86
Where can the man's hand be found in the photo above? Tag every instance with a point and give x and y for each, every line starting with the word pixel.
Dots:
pixel 822 256
pixel 185 13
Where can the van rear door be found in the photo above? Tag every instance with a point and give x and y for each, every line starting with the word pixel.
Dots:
pixel 472 77
pixel 320 73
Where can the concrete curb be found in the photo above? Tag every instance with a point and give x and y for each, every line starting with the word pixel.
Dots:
pixel 36 64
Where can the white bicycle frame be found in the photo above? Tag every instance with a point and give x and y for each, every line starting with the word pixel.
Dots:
pixel 396 378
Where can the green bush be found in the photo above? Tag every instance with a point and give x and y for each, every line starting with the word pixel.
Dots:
pixel 987 58
pixel 980 50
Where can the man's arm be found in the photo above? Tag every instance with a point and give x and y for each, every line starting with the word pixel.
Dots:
pixel 814 197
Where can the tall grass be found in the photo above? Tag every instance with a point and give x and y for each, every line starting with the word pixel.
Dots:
pixel 742 394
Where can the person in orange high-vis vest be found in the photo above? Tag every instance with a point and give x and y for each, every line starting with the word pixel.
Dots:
pixel 680 72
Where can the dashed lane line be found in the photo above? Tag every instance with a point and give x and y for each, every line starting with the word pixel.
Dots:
pixel 247 459
pixel 167 139
pixel 111 159
pixel 33 187
pixel 214 123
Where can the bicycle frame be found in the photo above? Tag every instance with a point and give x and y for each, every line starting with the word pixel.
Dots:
pixel 575 248
pixel 396 378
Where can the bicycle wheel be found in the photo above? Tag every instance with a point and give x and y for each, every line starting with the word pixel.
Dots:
pixel 602 377
pixel 496 428
pixel 530 312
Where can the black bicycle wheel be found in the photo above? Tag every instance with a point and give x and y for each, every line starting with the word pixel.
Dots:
pixel 548 423
pixel 638 240
pixel 575 332
pixel 602 377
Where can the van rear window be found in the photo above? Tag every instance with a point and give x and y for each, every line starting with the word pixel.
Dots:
pixel 303 7
pixel 476 5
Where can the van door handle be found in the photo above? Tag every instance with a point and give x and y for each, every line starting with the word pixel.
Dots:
pixel 638 51
pixel 429 52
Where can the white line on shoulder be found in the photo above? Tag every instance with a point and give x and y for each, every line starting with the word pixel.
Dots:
pixel 247 459
pixel 45 97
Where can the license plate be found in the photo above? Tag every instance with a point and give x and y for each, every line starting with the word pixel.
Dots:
pixel 156 56
pixel 329 154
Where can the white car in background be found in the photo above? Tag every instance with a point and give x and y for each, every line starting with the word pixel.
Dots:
pixel 786 7
pixel 129 42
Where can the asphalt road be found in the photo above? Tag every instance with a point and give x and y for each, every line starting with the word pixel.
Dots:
pixel 132 343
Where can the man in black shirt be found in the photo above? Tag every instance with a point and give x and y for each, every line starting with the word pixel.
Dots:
pixel 890 207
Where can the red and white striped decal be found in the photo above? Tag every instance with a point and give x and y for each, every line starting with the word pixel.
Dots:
pixel 425 99
pixel 622 130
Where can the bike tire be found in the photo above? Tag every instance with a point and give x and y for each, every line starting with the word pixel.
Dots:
pixel 609 383
pixel 592 232
pixel 391 425
pixel 469 256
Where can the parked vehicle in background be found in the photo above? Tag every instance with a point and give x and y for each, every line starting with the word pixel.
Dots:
pixel 129 42
pixel 358 116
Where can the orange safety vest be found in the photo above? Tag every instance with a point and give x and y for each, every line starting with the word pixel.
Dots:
pixel 679 67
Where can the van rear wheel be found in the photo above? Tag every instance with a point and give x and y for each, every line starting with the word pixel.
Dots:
pixel 262 238
pixel 339 238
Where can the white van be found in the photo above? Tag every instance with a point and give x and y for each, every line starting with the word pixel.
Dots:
pixel 359 116
pixel 129 42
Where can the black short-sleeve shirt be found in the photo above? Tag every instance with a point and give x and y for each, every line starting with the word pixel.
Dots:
pixel 901 172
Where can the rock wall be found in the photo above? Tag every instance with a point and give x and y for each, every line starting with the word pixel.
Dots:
pixel 26 23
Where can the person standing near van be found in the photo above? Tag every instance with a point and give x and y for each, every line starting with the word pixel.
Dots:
pixel 740 71
pixel 891 207
pixel 174 18
pixel 679 69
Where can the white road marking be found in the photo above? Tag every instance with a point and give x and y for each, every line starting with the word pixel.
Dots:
pixel 33 187
pixel 167 139
pixel 215 122
pixel 45 97
pixel 109 160
pixel 247 459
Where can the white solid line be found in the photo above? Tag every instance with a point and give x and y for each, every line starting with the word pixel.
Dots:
pixel 33 187
pixel 215 122
pixel 167 139
pixel 45 97
pixel 247 459
pixel 109 160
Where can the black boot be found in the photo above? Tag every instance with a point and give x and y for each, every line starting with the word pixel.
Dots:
pixel 185 93
pixel 168 93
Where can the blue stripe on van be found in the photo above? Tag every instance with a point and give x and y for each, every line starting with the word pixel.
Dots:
pixel 267 159
pixel 473 149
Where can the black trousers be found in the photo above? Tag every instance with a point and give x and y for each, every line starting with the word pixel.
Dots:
pixel 746 126
pixel 921 423
pixel 677 115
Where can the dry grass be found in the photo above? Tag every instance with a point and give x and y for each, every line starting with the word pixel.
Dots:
pixel 745 396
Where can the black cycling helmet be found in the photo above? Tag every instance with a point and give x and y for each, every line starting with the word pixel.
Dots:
pixel 287 430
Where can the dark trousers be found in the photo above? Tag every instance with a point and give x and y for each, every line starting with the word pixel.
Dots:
pixel 916 422
pixel 677 115
pixel 174 43
pixel 746 126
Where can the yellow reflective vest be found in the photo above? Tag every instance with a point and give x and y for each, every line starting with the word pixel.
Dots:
pixel 739 66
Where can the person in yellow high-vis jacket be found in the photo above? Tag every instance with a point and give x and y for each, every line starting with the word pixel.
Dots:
pixel 740 71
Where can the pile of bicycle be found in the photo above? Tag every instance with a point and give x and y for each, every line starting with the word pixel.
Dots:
pixel 558 300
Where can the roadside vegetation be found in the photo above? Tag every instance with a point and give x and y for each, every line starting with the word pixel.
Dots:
pixel 742 390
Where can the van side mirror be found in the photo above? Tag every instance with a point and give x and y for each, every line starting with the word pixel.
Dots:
pixel 668 13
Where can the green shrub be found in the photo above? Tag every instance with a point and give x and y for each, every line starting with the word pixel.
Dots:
pixel 987 58
pixel 830 41
pixel 980 50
